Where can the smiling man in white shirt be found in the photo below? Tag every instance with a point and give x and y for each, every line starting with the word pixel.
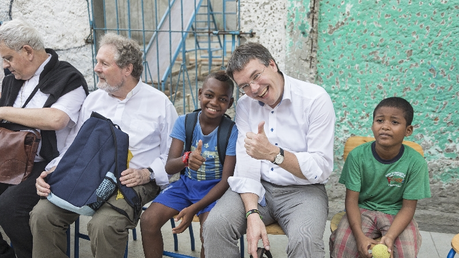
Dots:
pixel 147 116
pixel 284 157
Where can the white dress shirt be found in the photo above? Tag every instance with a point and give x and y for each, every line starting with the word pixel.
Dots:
pixel 146 115
pixel 69 103
pixel 303 123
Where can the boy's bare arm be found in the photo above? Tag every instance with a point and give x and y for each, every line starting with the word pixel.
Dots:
pixel 355 222
pixel 214 194
pixel 174 162
pixel 401 221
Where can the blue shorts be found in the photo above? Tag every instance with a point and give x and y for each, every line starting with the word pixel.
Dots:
pixel 186 191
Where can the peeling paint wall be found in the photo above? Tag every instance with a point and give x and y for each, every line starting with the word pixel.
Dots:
pixel 370 50
pixel 64 25
pixel 301 44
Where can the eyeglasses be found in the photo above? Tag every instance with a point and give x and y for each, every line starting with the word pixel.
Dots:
pixel 9 59
pixel 244 87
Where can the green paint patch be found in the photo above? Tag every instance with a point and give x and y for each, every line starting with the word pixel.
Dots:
pixel 370 50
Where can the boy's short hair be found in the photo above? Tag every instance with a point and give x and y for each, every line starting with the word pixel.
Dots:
pixel 400 103
pixel 223 77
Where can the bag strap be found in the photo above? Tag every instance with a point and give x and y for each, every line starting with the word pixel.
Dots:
pixel 17 127
pixel 116 172
pixel 190 123
pixel 261 252
pixel 223 133
pixel 31 95
pixel 136 206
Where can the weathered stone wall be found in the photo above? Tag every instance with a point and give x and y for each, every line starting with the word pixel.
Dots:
pixel 267 19
pixel 369 50
pixel 64 25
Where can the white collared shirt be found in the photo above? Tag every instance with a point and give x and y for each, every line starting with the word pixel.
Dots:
pixel 69 103
pixel 146 115
pixel 303 123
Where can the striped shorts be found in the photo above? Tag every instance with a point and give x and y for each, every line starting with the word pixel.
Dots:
pixel 374 224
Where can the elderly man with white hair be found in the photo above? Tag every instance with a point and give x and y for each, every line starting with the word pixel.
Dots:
pixel 41 92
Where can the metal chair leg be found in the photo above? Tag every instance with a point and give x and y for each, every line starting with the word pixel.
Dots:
pixel 451 253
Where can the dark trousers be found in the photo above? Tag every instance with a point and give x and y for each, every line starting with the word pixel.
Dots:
pixel 16 201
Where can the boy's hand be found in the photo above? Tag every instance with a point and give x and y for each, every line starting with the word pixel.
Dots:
pixel 186 215
pixel 389 242
pixel 195 160
pixel 364 246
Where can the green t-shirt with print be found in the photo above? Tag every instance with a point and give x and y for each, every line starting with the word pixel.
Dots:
pixel 383 184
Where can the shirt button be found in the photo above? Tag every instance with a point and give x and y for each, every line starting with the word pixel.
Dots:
pixel 272 112
pixel 272 169
pixel 272 129
pixel 275 143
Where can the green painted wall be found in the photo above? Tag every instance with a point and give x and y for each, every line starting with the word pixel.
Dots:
pixel 369 50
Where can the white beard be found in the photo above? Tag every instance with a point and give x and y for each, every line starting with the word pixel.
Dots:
pixel 109 88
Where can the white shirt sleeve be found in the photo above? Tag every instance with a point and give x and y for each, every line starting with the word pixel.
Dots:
pixel 247 173
pixel 159 163
pixel 70 103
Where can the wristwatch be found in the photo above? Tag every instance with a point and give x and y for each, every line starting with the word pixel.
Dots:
pixel 279 157
pixel 152 175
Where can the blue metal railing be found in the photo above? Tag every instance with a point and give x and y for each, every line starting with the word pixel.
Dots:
pixel 169 36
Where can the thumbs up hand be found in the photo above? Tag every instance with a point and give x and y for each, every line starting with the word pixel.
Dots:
pixel 195 160
pixel 258 146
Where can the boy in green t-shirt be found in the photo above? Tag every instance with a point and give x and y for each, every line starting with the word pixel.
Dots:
pixel 383 179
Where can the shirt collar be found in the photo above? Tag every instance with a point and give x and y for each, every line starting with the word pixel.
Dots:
pixel 42 66
pixel 133 92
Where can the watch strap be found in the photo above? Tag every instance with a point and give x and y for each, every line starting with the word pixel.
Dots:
pixel 280 154
pixel 152 175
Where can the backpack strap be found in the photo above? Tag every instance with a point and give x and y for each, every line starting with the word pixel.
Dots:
pixel 190 124
pixel 224 133
pixel 131 198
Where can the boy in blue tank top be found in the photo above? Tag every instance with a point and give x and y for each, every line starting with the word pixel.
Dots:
pixel 383 179
pixel 205 179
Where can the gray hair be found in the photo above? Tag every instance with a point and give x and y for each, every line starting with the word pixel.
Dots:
pixel 246 53
pixel 17 33
pixel 127 52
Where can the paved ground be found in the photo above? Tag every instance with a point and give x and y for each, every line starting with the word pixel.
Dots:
pixel 434 245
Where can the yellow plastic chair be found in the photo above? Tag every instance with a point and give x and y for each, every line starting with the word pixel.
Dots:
pixel 454 246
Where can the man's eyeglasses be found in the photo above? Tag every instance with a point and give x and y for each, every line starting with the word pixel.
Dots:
pixel 244 87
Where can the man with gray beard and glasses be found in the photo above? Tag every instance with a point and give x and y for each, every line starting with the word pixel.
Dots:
pixel 128 102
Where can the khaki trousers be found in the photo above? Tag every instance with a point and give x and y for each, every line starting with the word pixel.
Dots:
pixel 107 229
